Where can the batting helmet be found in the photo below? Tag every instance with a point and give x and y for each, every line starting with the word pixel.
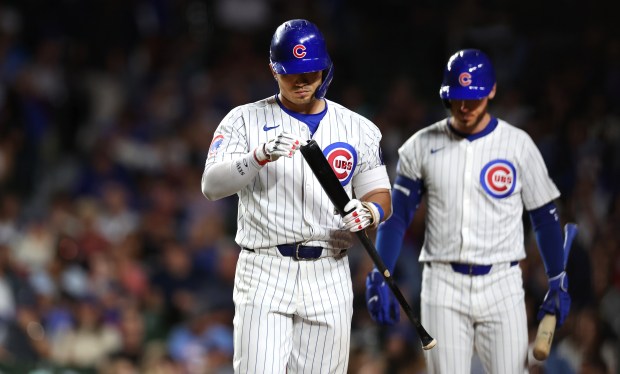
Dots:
pixel 469 75
pixel 298 47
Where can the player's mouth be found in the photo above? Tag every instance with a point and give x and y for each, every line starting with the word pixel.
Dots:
pixel 467 117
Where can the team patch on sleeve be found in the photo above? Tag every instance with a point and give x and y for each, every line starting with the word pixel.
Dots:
pixel 498 178
pixel 342 157
pixel 215 144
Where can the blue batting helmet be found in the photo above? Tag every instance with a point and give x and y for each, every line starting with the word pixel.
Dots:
pixel 298 47
pixel 469 75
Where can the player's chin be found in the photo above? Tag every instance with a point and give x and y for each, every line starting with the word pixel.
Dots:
pixel 468 121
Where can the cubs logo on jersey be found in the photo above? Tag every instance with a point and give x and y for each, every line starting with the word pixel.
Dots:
pixel 342 157
pixel 498 178
pixel 215 144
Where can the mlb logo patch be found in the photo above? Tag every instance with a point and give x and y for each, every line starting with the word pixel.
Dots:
pixel 342 157
pixel 499 178
pixel 215 144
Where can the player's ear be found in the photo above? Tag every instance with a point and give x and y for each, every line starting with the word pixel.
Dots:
pixel 492 93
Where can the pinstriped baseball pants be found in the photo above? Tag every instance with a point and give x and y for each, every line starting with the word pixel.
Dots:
pixel 485 313
pixel 292 316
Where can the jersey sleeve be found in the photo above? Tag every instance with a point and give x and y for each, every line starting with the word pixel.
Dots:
pixel 409 159
pixel 370 147
pixel 538 188
pixel 229 139
pixel 372 173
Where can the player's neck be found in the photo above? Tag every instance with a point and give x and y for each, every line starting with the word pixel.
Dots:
pixel 313 106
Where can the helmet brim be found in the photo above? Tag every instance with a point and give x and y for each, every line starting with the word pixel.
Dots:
pixel 301 66
pixel 464 93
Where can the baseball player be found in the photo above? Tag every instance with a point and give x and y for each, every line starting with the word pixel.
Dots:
pixel 477 172
pixel 293 292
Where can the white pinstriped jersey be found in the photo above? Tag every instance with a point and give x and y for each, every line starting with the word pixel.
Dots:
pixel 476 191
pixel 286 203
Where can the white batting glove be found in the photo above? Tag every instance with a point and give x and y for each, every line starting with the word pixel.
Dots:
pixel 361 215
pixel 284 144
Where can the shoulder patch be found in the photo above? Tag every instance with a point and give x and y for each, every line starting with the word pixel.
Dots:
pixel 215 144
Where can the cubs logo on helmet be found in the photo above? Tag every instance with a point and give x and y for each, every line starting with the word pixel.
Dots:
pixel 499 178
pixel 465 79
pixel 342 157
pixel 299 51
pixel 215 144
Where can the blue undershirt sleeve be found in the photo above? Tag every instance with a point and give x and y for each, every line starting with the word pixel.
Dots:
pixel 549 238
pixel 406 197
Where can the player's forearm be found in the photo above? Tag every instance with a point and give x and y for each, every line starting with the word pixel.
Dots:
pixel 406 196
pixel 383 198
pixel 549 238
pixel 226 178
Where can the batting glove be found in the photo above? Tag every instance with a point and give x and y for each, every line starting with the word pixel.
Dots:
pixel 380 301
pixel 284 144
pixel 361 215
pixel 557 299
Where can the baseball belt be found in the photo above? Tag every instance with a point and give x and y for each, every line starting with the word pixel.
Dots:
pixel 471 269
pixel 299 252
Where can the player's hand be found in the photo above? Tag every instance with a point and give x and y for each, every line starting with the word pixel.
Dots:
pixel 557 299
pixel 380 301
pixel 284 144
pixel 360 216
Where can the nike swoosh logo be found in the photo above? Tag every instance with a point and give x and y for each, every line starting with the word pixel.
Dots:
pixel 267 128
pixel 435 150
pixel 554 213
pixel 373 299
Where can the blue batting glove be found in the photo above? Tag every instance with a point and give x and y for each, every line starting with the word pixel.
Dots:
pixel 380 301
pixel 557 299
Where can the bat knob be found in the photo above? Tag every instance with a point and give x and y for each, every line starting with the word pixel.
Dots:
pixel 430 345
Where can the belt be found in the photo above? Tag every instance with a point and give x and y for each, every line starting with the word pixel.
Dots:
pixel 469 269
pixel 298 251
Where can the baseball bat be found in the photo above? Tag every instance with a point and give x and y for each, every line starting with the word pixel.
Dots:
pixel 546 327
pixel 339 197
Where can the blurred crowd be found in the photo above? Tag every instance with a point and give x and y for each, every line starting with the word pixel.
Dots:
pixel 112 261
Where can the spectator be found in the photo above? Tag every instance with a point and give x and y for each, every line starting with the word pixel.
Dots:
pixel 87 344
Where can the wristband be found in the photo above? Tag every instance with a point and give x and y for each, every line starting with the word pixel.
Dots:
pixel 261 163
pixel 381 212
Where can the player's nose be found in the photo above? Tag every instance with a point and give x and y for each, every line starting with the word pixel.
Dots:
pixel 304 79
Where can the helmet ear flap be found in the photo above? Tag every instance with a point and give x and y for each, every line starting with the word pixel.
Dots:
pixel 328 75
pixel 446 103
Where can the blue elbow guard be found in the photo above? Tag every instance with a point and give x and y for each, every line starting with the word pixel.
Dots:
pixel 406 196
pixel 549 238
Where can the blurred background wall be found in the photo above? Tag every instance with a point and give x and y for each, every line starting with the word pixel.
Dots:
pixel 112 261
